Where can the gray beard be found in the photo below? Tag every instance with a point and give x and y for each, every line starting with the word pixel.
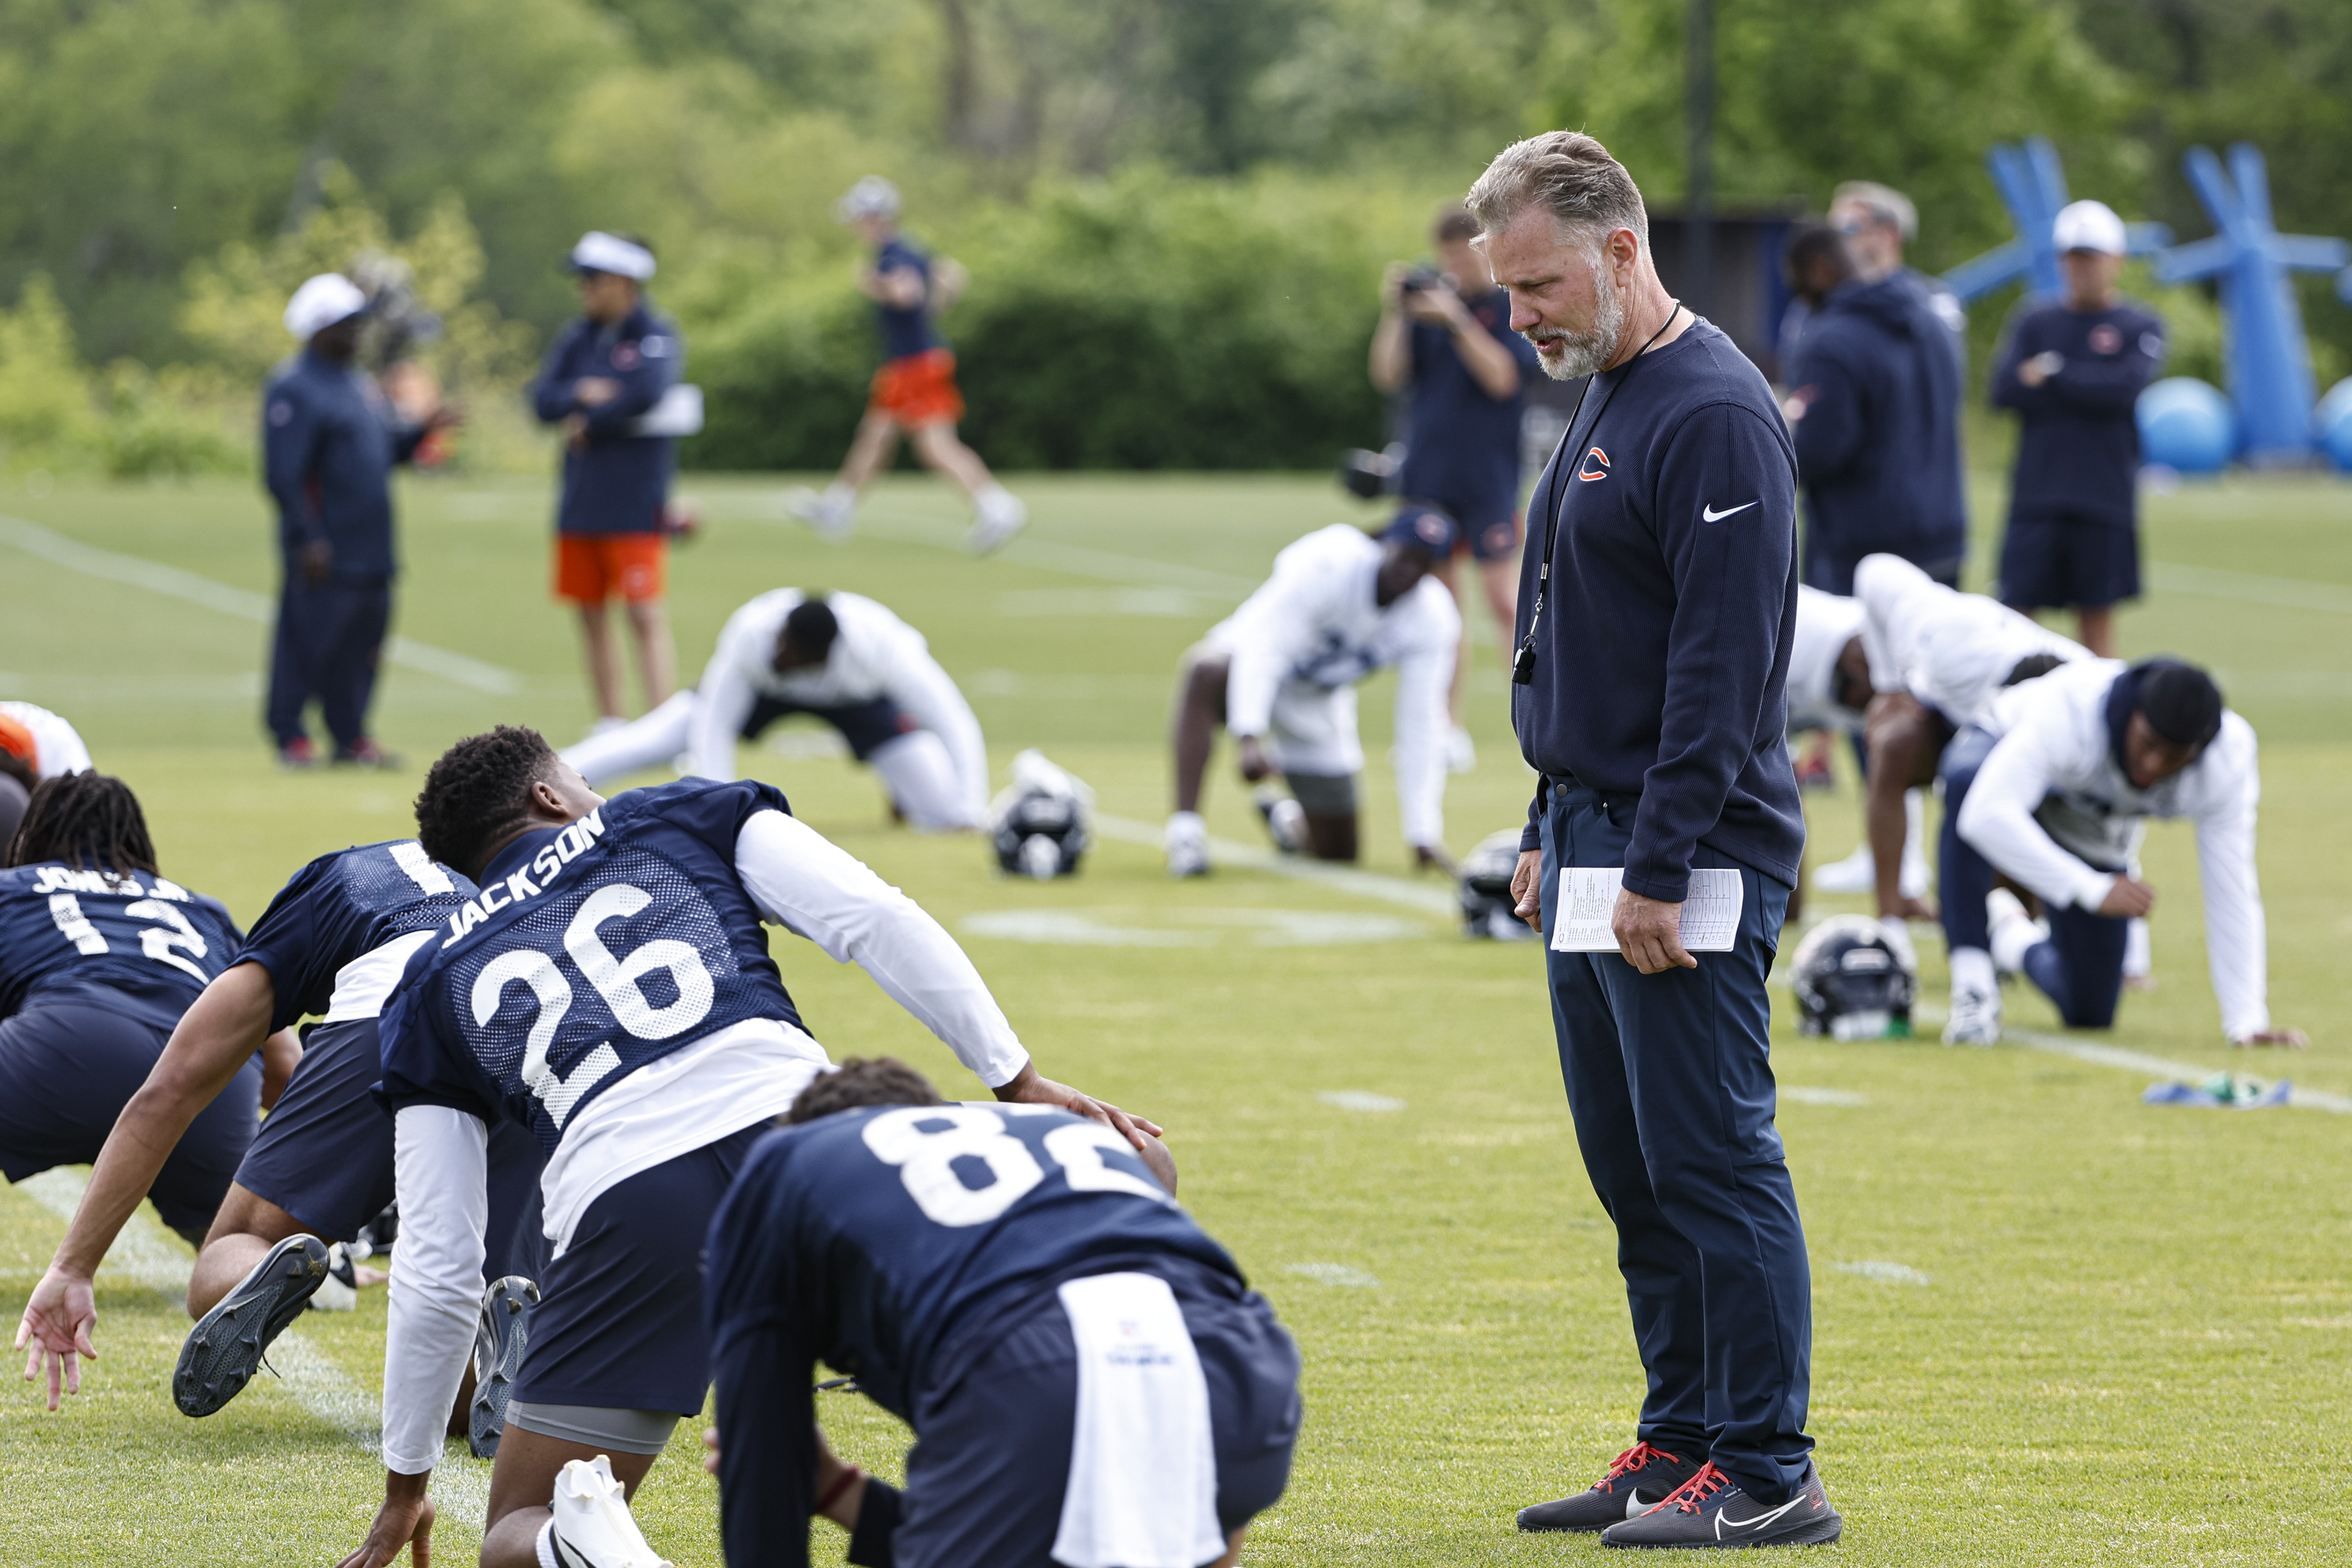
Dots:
pixel 1583 353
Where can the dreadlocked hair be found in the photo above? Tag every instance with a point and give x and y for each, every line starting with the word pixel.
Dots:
pixel 90 821
pixel 479 792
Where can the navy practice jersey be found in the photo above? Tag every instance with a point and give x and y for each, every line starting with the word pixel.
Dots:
pixel 340 906
pixel 884 1240
pixel 910 330
pixel 137 944
pixel 589 951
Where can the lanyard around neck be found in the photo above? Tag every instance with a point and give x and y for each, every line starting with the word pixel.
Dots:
pixel 1523 663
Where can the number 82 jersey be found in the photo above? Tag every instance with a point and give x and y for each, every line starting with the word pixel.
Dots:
pixel 135 943
pixel 590 952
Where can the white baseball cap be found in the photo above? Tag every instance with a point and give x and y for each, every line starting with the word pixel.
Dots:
pixel 872 196
pixel 600 252
pixel 2088 226
pixel 320 303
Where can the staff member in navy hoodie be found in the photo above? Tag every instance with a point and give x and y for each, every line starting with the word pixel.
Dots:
pixel 1658 636
pixel 602 376
pixel 1874 406
pixel 2074 369
pixel 329 441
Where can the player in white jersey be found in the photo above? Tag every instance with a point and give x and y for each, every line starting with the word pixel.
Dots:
pixel 1280 675
pixel 1920 663
pixel 2051 787
pixel 840 657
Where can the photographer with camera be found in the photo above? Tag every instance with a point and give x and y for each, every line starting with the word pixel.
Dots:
pixel 1445 340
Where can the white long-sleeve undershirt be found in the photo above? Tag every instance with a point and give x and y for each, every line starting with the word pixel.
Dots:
pixel 726 1081
pixel 2054 740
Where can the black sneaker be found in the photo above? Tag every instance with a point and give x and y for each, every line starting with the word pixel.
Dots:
pixel 501 1336
pixel 1711 1511
pixel 1639 1479
pixel 226 1347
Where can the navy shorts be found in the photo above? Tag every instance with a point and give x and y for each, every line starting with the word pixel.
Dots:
pixel 1490 527
pixel 2062 561
pixel 992 1456
pixel 324 1154
pixel 620 1324
pixel 867 726
pixel 66 1070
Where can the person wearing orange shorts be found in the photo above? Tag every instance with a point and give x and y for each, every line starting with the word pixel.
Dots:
pixel 599 381
pixel 914 393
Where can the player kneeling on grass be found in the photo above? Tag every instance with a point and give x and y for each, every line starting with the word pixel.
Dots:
pixel 840 657
pixel 2052 790
pixel 99 956
pixel 331 944
pixel 609 989
pixel 1089 1380
pixel 1280 675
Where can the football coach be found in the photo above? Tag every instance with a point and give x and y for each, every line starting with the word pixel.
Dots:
pixel 1655 612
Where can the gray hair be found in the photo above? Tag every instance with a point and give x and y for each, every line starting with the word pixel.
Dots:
pixel 1569 175
pixel 1885 203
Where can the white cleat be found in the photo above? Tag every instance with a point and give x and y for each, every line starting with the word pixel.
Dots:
pixel 832 514
pixel 1461 751
pixel 998 515
pixel 1188 844
pixel 1857 873
pixel 592 1527
pixel 1975 1018
pixel 1285 819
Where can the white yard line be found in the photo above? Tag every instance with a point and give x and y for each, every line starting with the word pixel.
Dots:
pixel 2135 1061
pixel 1421 896
pixel 146 1254
pixel 245 604
pixel 2211 582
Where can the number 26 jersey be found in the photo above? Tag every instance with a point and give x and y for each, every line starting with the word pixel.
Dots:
pixel 590 952
pixel 136 943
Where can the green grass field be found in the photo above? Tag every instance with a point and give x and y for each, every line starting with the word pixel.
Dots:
pixel 2054 1325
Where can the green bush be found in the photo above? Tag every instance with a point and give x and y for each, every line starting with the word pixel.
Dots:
pixel 1139 323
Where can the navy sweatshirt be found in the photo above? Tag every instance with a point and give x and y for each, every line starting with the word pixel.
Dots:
pixel 2079 447
pixel 1878 379
pixel 1662 665
pixel 329 442
pixel 620 482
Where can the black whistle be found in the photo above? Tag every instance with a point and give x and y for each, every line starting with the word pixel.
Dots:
pixel 1523 666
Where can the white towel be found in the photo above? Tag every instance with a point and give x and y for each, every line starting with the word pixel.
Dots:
pixel 1143 1470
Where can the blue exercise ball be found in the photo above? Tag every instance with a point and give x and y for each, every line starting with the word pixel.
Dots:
pixel 2331 422
pixel 2187 425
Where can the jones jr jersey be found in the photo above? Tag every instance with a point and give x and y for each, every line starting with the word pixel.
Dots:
pixel 589 951
pixel 137 944
pixel 341 907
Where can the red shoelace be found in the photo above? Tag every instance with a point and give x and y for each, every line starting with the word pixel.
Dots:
pixel 1688 1496
pixel 1634 1459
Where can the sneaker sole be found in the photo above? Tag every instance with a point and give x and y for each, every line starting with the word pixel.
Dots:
pixel 507 1306
pixel 1819 1533
pixel 224 1349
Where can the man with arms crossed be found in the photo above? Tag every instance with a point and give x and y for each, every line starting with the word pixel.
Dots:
pixel 1659 637
pixel 2052 789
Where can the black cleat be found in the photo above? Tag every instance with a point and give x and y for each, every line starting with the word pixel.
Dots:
pixel 1639 1479
pixel 226 1347
pixel 1711 1511
pixel 500 1337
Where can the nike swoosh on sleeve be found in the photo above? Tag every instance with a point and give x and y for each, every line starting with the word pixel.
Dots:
pixel 1711 515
